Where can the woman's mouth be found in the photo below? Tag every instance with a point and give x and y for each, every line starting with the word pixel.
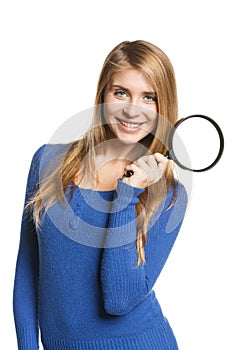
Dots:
pixel 129 126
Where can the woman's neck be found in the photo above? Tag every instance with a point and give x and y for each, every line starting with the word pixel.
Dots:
pixel 115 149
pixel 110 160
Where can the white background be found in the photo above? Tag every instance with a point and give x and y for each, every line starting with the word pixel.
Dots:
pixel 51 56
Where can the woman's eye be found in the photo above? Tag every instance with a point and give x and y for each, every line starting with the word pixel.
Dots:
pixel 120 93
pixel 150 98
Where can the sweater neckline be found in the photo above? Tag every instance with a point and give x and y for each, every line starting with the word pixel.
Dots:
pixel 91 190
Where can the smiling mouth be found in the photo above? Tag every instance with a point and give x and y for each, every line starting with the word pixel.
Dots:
pixel 130 125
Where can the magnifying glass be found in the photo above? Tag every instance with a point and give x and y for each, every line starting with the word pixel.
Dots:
pixel 195 143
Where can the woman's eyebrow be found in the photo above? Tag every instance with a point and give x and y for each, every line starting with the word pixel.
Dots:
pixel 149 93
pixel 119 87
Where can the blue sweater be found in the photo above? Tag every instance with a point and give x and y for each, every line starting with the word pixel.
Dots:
pixel 76 277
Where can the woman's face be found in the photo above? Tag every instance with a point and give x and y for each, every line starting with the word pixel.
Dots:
pixel 130 108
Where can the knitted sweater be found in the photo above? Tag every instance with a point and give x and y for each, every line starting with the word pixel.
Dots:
pixel 77 280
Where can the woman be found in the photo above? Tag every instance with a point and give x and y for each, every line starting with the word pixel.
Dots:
pixel 101 217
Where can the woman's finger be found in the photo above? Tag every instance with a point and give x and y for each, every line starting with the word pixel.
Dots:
pixel 161 160
pixel 151 161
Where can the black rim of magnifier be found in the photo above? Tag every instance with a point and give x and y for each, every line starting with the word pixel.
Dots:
pixel 171 154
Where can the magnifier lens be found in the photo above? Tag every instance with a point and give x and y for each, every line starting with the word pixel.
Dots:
pixel 195 143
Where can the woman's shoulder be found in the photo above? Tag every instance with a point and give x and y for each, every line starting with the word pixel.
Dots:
pixel 47 157
pixel 48 153
pixel 176 193
pixel 175 205
pixel 51 150
pixel 175 197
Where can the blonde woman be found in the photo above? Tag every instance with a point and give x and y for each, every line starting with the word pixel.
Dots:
pixel 101 216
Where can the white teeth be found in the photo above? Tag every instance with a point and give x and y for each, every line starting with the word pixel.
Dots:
pixel 130 125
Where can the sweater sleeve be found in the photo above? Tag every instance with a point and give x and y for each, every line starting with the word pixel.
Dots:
pixel 124 284
pixel 25 298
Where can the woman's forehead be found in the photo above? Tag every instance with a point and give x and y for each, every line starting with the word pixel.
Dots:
pixel 131 79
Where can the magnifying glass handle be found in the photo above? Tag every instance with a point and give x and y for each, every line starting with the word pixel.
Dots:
pixel 129 173
pixel 167 155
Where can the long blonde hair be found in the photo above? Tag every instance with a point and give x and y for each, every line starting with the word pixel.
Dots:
pixel 157 68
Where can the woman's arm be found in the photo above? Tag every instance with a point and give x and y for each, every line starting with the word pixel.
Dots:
pixel 124 284
pixel 25 296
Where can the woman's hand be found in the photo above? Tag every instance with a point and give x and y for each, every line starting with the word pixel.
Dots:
pixel 146 170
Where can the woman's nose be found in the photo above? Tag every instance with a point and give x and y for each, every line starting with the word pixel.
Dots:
pixel 132 110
